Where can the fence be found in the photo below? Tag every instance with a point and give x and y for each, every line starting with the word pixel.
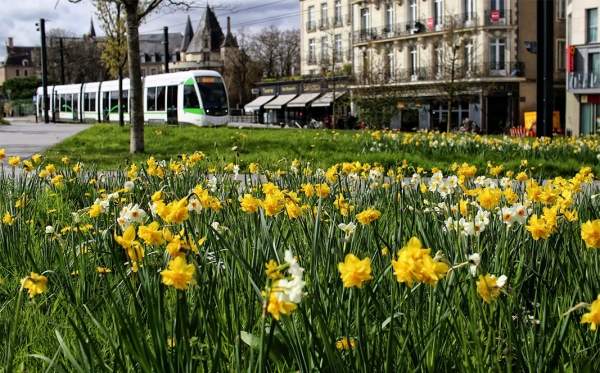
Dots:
pixel 17 108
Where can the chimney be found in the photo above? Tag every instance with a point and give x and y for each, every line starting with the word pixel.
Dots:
pixel 9 42
pixel 228 24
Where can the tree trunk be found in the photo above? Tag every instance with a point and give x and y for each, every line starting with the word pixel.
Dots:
pixel 449 126
pixel 121 119
pixel 136 111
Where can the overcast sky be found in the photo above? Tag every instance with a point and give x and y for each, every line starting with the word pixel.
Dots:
pixel 18 17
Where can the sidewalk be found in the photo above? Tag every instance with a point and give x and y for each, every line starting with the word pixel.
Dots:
pixel 24 137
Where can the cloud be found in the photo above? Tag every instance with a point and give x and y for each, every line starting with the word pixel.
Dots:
pixel 19 19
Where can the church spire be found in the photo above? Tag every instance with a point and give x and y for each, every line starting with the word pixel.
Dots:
pixel 187 35
pixel 92 33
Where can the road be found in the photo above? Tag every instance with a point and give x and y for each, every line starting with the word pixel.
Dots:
pixel 24 137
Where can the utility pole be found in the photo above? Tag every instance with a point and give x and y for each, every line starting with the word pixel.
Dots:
pixel 42 29
pixel 545 67
pixel 62 60
pixel 166 44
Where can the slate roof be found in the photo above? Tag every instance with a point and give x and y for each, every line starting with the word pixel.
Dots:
pixel 208 27
pixel 187 35
pixel 152 44
pixel 16 56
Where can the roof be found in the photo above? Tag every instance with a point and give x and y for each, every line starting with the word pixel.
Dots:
pixel 20 56
pixel 151 44
pixel 187 35
pixel 208 28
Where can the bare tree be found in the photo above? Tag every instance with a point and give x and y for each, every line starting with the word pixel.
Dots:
pixel 453 63
pixel 277 52
pixel 240 70
pixel 135 12
pixel 114 53
pixel 80 58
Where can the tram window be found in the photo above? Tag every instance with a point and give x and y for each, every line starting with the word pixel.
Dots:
pixel 151 99
pixel 160 98
pixel 75 102
pixel 125 100
pixel 86 102
pixel 93 102
pixel 68 103
pixel 114 102
pixel 212 92
pixel 190 99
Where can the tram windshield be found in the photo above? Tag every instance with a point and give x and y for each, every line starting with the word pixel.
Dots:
pixel 212 93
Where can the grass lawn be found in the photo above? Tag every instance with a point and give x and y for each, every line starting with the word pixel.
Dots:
pixel 107 147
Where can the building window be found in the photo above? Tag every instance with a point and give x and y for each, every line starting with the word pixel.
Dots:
pixel 560 54
pixel 594 66
pixel 438 12
pixel 413 61
pixel 337 12
pixel 412 11
pixel 497 57
pixel 324 56
pixel 439 60
pixel 323 14
pixel 25 72
pixel 591 25
pixel 497 5
pixel 310 23
pixel 469 56
pixel 560 9
pixel 364 19
pixel 337 39
pixel 469 11
pixel 17 72
pixel 311 51
pixel 391 65
pixel 389 17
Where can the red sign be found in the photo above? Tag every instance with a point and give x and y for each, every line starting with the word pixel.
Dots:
pixel 570 58
pixel 430 23
pixel 495 15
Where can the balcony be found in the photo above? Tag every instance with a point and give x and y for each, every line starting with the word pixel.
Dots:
pixel 584 82
pixel 311 26
pixel 419 27
pixel 496 18
pixel 324 24
pixel 337 21
pixel 434 74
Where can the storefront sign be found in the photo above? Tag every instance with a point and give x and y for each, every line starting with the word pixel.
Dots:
pixel 313 87
pixel 289 89
pixel 570 58
pixel 268 91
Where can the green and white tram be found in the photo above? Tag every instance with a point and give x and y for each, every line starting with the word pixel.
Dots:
pixel 197 97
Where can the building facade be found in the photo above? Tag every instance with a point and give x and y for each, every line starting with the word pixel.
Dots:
pixel 583 65
pixel 423 56
pixel 20 62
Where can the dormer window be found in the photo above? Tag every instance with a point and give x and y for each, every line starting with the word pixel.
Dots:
pixel 25 62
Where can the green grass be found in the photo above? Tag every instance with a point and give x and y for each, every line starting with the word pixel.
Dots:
pixel 107 147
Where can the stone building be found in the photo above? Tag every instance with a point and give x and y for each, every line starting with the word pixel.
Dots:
pixel 583 65
pixel 422 54
pixel 20 62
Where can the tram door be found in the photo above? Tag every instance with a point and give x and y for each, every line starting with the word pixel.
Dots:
pixel 172 104
pixel 105 106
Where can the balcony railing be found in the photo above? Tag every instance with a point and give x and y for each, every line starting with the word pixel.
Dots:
pixel 496 17
pixel 323 24
pixel 433 74
pixel 311 26
pixel 581 80
pixel 421 26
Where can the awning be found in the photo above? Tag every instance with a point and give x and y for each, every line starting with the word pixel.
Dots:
pixel 257 103
pixel 303 100
pixel 327 99
pixel 279 101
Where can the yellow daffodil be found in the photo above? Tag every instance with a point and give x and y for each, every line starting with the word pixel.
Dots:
pixel 368 216
pixel 179 274
pixel 590 233
pixel 35 284
pixel 355 272
pixel 593 316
